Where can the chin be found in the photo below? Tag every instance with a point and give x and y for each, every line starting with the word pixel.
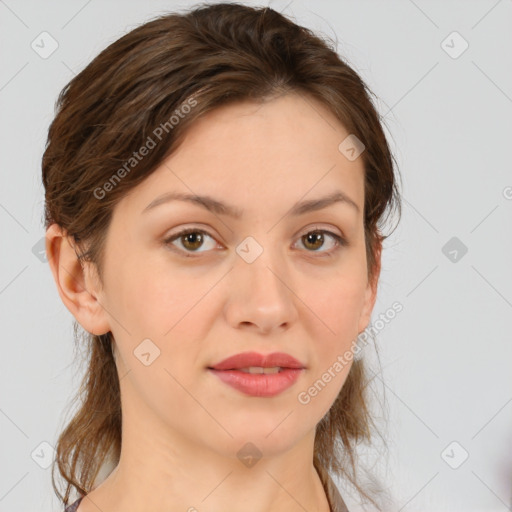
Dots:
pixel 262 438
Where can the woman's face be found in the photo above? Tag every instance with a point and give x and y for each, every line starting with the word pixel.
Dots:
pixel 253 283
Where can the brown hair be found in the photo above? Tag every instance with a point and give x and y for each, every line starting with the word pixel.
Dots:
pixel 206 57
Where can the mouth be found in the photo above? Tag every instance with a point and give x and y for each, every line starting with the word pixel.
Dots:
pixel 259 375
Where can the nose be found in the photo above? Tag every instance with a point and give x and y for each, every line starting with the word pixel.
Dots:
pixel 261 296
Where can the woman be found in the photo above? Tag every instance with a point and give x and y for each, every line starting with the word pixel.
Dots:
pixel 214 182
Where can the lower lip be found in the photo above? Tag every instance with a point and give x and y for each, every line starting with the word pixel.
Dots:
pixel 259 384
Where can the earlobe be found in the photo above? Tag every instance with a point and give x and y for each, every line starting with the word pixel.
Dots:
pixel 77 290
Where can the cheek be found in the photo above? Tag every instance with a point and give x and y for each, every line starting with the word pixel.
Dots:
pixel 173 310
pixel 338 304
pixel 155 308
pixel 153 298
pixel 338 308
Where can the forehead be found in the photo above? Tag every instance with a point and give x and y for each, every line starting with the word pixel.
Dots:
pixel 259 155
pixel 290 126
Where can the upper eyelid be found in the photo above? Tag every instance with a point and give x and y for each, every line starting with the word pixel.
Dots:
pixel 309 229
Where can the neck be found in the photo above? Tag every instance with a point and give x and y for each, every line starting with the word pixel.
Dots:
pixel 161 469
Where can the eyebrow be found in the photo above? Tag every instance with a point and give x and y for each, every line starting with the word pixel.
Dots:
pixel 215 206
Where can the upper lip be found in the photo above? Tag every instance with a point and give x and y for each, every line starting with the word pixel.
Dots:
pixel 247 359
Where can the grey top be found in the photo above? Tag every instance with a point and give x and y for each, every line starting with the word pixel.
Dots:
pixel 74 505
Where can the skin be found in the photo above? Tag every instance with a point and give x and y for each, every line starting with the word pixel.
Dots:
pixel 182 426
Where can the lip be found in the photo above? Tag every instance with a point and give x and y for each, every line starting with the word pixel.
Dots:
pixel 245 359
pixel 263 384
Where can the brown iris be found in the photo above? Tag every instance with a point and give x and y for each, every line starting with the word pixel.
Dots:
pixel 192 241
pixel 312 238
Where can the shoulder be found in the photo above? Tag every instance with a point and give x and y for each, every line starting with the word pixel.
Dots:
pixel 73 506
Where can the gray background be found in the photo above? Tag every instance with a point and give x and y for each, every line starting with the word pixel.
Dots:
pixel 445 358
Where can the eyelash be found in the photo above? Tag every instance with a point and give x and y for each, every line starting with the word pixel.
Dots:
pixel 340 241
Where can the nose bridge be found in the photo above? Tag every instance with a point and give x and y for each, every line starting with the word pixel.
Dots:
pixel 262 292
pixel 262 266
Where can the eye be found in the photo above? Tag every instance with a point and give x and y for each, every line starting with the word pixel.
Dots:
pixel 316 239
pixel 192 239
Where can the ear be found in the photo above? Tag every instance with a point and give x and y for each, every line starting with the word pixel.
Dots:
pixel 371 291
pixel 77 282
